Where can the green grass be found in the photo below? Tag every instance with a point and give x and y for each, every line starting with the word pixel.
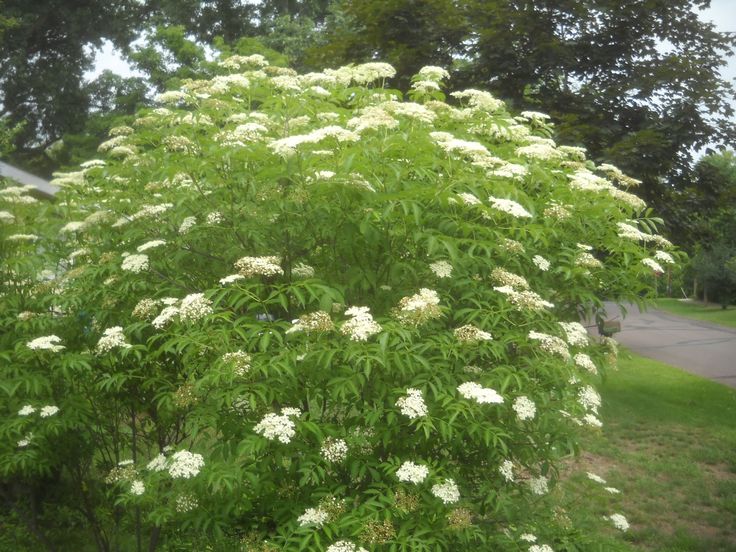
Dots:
pixel 669 444
pixel 700 311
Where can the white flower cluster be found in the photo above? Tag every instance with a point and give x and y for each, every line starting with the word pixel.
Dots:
pixel 539 151
pixel 288 146
pixel 577 336
pixel 525 299
pixel 541 548
pixel 587 260
pixel 619 521
pixel 412 473
pixel 345 546
pixel 277 426
pixel 551 344
pixel 654 265
pixel 630 232
pixel 158 463
pixel 186 503
pixel 541 263
pixel 596 478
pixel 240 360
pixel 419 308
pixel 150 245
pixel 187 224
pixel 585 362
pixel 112 338
pixel 185 464
pixel 539 485
pixel 480 394
pixel 528 537
pixel 506 469
pixel 334 450
pixel 589 398
pixel 26 410
pixel 441 269
pixel 469 199
pixel 412 405
pixel 313 516
pixel 259 266
pixel 231 278
pixel 525 408
pixel 318 321
pixel 46 343
pixel 446 491
pixel 137 487
pixel 664 257
pixel 505 278
pixel 471 334
pixel 135 263
pixel 194 307
pixel 433 73
pixel 479 100
pixel 301 270
pixel 361 325
pixel 509 207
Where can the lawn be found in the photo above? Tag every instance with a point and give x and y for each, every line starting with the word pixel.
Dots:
pixel 669 444
pixel 709 312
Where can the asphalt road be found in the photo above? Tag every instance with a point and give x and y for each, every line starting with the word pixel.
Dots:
pixel 698 347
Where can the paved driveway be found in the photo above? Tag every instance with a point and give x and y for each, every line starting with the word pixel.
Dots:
pixel 698 347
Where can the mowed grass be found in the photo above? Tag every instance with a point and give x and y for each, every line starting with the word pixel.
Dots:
pixel 708 312
pixel 669 444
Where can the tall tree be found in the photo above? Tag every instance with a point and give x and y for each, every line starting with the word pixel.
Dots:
pixel 44 52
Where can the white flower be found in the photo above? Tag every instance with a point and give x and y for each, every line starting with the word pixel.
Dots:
pixel 150 245
pixel 135 263
pixel 525 408
pixel 194 307
pixel 541 262
pixel 230 279
pixel 612 490
pixel 540 548
pixel 240 361
pixel 166 316
pixel 433 73
pixel 551 344
pixel 596 478
pixel 259 266
pixel 576 334
pixel 528 537
pixel 589 398
pixel 334 450
pixel 469 199
pixel 185 464
pixel 137 487
pixel 158 463
pixel 276 427
pixel 48 411
pixel 619 521
pixel 591 420
pixel 510 207
pixel 301 270
pixel 345 546
pixel 187 224
pixel 471 334
pixel 480 394
pixel 25 441
pixel 507 470
pixel 446 491
pixel 47 343
pixel 111 338
pixel 441 269
pixel 664 257
pixel 214 218
pixel 412 473
pixel 412 405
pixel 186 503
pixel 361 325
pixel 313 516
pixel 538 485
pixel 654 265
pixel 74 226
pixel 27 410
pixel 585 362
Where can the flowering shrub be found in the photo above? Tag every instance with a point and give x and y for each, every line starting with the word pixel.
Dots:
pixel 297 312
